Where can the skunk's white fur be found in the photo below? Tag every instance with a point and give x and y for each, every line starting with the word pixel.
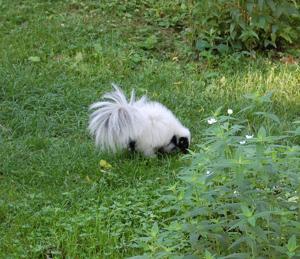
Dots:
pixel 142 125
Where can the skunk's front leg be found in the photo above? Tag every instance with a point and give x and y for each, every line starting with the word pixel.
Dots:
pixel 149 153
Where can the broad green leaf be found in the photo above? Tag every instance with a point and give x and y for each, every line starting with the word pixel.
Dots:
pixel 104 164
pixel 194 238
pixel 154 229
pixel 273 37
pixel 292 244
pixel 231 28
pixel 263 215
pixel 274 28
pixel 252 221
pixel 248 34
pixel 79 57
pixel 202 45
pixel 261 134
pixel 268 42
pixel 279 249
pixel 272 5
pixel 237 242
pixel 208 255
pixel 274 33
pixel 262 22
pixel 150 42
pixel 34 59
pixel 175 226
pixel 250 6
pixel 196 212
pixel 278 12
pixel 261 4
pixel 269 116
pixel 246 211
pixel 297 131
pixel 222 48
pixel 285 35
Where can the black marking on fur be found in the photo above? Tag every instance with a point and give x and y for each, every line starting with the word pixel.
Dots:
pixel 174 140
pixel 131 145
pixel 160 150
pixel 183 144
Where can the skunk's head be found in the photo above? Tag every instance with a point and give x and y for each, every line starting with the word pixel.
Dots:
pixel 183 144
pixel 182 140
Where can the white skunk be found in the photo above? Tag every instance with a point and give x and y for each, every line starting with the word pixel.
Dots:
pixel 142 125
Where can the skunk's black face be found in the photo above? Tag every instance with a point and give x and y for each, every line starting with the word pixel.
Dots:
pixel 183 144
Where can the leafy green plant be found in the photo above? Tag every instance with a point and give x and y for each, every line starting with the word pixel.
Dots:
pixel 239 197
pixel 245 24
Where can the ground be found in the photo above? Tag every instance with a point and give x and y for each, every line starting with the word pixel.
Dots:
pixel 57 57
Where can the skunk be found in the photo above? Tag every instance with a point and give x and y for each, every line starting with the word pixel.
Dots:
pixel 138 125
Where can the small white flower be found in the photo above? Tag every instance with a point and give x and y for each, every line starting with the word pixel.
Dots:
pixel 236 193
pixel 208 172
pixel 249 136
pixel 243 142
pixel 230 111
pixel 211 121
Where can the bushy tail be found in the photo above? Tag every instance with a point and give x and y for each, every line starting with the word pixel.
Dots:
pixel 115 121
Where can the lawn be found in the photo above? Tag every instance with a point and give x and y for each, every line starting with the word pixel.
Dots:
pixel 57 57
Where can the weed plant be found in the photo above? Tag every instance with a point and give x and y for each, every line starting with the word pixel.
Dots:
pixel 238 198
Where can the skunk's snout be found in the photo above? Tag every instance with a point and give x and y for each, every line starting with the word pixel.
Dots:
pixel 184 151
pixel 183 144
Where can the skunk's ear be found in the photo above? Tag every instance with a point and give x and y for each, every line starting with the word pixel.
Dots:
pixel 183 144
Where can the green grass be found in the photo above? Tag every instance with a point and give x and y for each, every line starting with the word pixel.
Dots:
pixel 54 198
